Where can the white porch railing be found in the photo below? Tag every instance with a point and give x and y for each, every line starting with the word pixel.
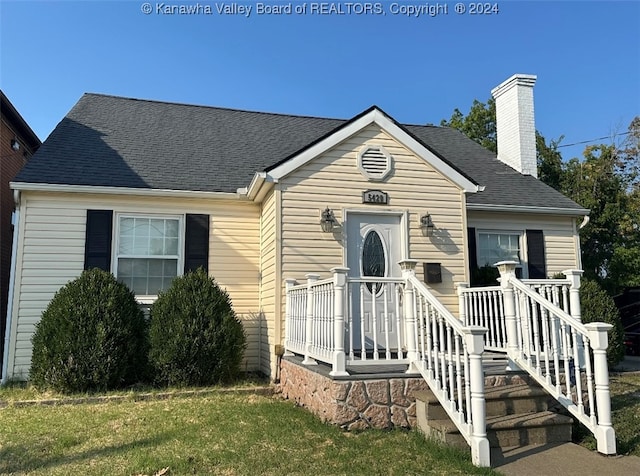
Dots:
pixel 320 326
pixel 536 322
pixel 449 357
pixel 404 323
pixel 484 306
pixel 567 358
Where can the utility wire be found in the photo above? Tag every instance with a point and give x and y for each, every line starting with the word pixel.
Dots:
pixel 593 140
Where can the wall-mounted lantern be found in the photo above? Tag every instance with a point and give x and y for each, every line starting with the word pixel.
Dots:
pixel 426 225
pixel 328 220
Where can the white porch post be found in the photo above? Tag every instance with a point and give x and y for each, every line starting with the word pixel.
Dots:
pixel 339 286
pixel 507 271
pixel 308 345
pixel 289 283
pixel 408 267
pixel 574 275
pixel 604 434
pixel 462 305
pixel 480 451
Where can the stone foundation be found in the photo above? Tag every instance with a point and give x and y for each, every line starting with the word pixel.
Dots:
pixel 352 404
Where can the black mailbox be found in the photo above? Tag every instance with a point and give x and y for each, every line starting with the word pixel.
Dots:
pixel 432 273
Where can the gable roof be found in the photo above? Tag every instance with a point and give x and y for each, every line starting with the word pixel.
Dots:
pixel 374 115
pixel 108 141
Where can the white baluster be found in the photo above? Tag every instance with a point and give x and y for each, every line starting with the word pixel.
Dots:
pixel 311 278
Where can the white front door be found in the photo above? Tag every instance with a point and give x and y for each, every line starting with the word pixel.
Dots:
pixel 374 248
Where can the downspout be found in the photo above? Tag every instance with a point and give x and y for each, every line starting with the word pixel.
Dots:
pixel 585 221
pixel 15 219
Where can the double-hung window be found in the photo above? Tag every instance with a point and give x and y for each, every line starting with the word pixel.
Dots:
pixel 496 246
pixel 148 252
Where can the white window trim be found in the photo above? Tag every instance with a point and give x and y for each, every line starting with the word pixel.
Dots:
pixel 522 234
pixel 115 245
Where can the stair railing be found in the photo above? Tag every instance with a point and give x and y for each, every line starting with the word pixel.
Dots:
pixel 449 357
pixel 566 357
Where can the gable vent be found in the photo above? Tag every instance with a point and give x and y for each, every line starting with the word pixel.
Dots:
pixel 374 162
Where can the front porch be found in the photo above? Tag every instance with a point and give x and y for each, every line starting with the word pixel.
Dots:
pixel 362 372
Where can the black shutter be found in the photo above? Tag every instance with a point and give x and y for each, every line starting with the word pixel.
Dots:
pixel 97 244
pixel 473 252
pixel 196 247
pixel 535 252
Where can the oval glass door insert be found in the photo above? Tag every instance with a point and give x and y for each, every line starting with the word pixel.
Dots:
pixel 373 259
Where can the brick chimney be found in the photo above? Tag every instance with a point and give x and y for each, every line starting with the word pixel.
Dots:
pixel 515 124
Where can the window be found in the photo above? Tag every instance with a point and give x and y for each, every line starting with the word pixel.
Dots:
pixel 494 247
pixel 373 258
pixel 147 252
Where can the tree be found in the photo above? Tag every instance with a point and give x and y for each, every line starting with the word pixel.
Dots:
pixel 606 181
pixel 480 125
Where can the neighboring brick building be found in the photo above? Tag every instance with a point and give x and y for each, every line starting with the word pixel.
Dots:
pixel 17 144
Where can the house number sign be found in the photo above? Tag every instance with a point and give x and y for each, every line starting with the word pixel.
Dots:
pixel 377 197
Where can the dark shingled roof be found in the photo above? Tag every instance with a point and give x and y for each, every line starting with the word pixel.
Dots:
pixel 122 142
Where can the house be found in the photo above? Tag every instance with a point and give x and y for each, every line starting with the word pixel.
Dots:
pixel 321 230
pixel 17 144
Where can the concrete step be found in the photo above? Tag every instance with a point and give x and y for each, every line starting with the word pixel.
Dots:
pixel 516 399
pixel 501 400
pixel 517 415
pixel 508 431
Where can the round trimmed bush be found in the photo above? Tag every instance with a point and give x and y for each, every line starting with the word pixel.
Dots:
pixel 195 336
pixel 598 306
pixel 92 336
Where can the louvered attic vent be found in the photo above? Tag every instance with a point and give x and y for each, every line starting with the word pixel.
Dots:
pixel 374 162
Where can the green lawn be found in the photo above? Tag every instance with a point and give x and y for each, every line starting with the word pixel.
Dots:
pixel 218 432
pixel 212 433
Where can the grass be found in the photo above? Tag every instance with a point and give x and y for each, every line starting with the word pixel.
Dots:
pixel 212 433
pixel 625 408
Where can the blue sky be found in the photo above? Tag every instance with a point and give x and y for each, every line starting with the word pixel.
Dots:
pixel 586 55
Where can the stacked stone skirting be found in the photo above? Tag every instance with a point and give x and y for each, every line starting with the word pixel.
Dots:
pixel 352 404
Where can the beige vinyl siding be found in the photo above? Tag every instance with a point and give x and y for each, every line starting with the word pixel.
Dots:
pixel 560 243
pixel 51 244
pixel 268 269
pixel 334 180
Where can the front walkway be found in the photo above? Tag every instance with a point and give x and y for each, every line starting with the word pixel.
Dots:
pixel 566 459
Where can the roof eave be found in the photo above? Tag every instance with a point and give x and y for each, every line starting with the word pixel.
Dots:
pixel 149 192
pixel 9 110
pixel 260 185
pixel 576 212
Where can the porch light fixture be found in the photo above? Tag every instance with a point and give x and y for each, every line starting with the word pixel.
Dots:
pixel 426 225
pixel 328 220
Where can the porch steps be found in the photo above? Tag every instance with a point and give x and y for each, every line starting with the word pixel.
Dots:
pixel 517 415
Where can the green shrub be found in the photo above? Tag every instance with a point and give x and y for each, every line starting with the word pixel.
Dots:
pixel 598 306
pixel 92 336
pixel 195 336
pixel 486 275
